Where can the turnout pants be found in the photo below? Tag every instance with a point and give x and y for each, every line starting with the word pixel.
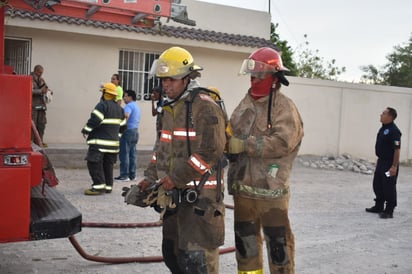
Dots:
pixel 100 166
pixel 192 234
pixel 251 217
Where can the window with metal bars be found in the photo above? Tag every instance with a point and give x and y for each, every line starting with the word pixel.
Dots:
pixel 17 54
pixel 134 68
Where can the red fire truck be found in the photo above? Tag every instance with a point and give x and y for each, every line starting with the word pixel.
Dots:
pixel 31 209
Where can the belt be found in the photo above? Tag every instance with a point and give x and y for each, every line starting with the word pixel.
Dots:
pixel 260 192
pixel 208 184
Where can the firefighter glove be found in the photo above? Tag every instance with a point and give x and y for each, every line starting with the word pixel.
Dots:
pixel 236 145
pixel 135 196
pixel 125 190
pixel 163 200
pixel 131 195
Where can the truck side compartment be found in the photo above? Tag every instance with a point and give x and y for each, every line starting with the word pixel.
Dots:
pixel 30 208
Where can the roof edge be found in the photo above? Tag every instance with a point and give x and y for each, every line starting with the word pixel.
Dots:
pixel 160 30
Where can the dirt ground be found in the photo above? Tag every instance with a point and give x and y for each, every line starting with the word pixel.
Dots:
pixel 333 232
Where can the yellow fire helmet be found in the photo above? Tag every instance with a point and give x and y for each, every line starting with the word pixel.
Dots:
pixel 109 88
pixel 175 62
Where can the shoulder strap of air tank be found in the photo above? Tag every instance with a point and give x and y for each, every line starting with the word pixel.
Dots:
pixel 189 123
pixel 189 114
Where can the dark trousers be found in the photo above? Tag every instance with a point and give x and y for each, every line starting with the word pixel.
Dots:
pixel 385 187
pixel 100 166
pixel 39 119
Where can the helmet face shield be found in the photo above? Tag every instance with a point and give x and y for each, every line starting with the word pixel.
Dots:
pixel 256 69
pixel 153 69
pixel 262 62
pixel 162 70
pixel 174 63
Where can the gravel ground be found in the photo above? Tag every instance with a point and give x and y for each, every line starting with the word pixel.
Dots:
pixel 333 232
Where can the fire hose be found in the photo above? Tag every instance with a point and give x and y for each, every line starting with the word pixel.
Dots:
pixel 122 260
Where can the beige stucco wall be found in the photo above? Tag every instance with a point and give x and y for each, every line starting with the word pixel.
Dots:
pixel 76 64
pixel 344 117
pixel 338 117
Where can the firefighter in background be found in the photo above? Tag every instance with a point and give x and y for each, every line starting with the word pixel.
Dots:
pixel 191 144
pixel 102 130
pixel 38 101
pixel 266 132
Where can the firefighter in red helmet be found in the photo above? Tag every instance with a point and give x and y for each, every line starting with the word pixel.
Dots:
pixel 266 132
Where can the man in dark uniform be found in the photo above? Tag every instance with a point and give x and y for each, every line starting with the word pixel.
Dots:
pixel 387 149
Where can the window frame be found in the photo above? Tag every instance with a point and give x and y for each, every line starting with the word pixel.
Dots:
pixel 134 67
pixel 17 54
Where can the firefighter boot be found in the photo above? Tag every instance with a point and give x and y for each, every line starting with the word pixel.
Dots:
pixel 93 191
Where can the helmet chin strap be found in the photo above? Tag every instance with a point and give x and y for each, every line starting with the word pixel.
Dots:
pixel 280 75
pixel 271 97
pixel 277 79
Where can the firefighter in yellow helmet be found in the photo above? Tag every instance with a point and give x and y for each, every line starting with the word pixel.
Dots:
pixel 266 131
pixel 102 130
pixel 185 164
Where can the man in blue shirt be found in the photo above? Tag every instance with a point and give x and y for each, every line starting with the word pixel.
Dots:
pixel 129 138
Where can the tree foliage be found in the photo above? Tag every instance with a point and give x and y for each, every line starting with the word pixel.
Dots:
pixel 287 53
pixel 398 70
pixel 311 65
pixel 305 62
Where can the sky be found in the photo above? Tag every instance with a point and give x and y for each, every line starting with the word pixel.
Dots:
pixel 353 32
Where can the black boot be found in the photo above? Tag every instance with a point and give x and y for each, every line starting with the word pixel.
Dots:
pixel 374 209
pixel 377 208
pixel 386 214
